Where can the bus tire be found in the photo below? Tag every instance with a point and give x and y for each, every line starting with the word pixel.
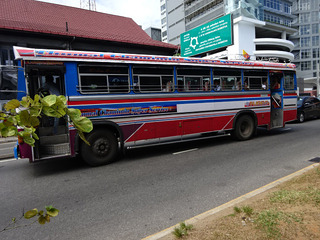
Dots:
pixel 103 148
pixel 244 128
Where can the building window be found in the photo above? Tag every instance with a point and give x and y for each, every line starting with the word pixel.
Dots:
pixel 163 20
pixel 305 53
pixel 315 28
pixel 304 5
pixel 314 16
pixel 315 41
pixel 305 66
pixel 305 42
pixel 286 8
pixel 315 53
pixel 163 7
pixel 304 17
pixel 305 30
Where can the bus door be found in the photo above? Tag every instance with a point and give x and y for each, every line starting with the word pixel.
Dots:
pixel 53 132
pixel 276 94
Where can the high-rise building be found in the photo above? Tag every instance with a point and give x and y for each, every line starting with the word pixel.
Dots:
pixel 306 39
pixel 261 27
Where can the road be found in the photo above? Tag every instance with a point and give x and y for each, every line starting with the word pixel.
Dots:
pixel 151 188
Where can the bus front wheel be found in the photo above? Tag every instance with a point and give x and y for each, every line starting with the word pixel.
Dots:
pixel 103 148
pixel 244 128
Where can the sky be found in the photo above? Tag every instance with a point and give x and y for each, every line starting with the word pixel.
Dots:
pixel 145 13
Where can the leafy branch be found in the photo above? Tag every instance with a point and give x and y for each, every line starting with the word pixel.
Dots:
pixel 43 217
pixel 25 115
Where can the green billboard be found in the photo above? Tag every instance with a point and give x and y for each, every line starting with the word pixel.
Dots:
pixel 210 36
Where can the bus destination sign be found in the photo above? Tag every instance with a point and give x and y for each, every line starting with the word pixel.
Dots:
pixel 210 36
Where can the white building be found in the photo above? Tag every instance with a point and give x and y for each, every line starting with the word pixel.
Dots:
pixel 261 28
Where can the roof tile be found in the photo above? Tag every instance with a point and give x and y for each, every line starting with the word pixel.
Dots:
pixel 35 16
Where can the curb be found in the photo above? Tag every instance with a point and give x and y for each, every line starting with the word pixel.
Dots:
pixel 231 203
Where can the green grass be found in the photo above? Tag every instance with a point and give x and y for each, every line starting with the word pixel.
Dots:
pixel 182 230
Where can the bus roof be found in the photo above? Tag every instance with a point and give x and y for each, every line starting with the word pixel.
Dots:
pixel 88 56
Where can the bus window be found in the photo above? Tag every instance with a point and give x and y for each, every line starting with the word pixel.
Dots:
pixel 167 84
pixel 93 84
pixel 216 84
pixel 226 80
pixel 206 84
pixel 104 78
pixel 289 81
pixel 193 79
pixel 256 80
pixel 148 78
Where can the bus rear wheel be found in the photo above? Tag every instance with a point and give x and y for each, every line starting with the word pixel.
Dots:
pixel 244 128
pixel 103 148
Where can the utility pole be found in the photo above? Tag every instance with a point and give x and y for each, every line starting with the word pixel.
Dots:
pixel 88 4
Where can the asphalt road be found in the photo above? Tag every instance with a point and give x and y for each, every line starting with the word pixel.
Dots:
pixel 151 188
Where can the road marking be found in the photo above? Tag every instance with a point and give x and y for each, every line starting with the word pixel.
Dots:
pixel 8 160
pixel 190 150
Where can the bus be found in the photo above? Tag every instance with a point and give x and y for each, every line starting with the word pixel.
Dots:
pixel 139 100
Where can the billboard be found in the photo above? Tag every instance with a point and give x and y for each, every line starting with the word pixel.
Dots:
pixel 210 36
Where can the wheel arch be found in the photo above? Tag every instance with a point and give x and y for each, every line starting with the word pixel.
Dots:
pixel 112 126
pixel 245 112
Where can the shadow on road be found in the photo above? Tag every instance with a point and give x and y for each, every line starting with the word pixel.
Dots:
pixel 56 166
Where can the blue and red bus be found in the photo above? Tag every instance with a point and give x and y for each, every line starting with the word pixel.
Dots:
pixel 139 100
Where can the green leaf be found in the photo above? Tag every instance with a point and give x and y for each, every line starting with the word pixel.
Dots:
pixel 36 98
pixel 49 100
pixel 81 135
pixel 31 213
pixel 42 220
pixel 29 140
pixel 62 99
pixel 35 111
pixel 83 124
pixel 13 104
pixel 73 113
pixel 53 212
pixel 34 121
pixel 25 118
pixel 35 136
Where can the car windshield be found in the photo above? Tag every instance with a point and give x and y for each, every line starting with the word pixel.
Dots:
pixel 300 101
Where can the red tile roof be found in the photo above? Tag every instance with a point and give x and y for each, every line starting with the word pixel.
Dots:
pixel 35 16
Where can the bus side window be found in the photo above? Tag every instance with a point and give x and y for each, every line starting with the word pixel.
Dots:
pixel 104 78
pixel 180 81
pixel 231 83
pixel 150 83
pixel 167 84
pixel 256 80
pixel 206 84
pixel 216 84
pixel 226 80
pixel 148 78
pixel 289 81
pixel 193 79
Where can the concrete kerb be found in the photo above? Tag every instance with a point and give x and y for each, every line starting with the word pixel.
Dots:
pixel 232 203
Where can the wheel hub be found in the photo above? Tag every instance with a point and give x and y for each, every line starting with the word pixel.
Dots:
pixel 101 147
